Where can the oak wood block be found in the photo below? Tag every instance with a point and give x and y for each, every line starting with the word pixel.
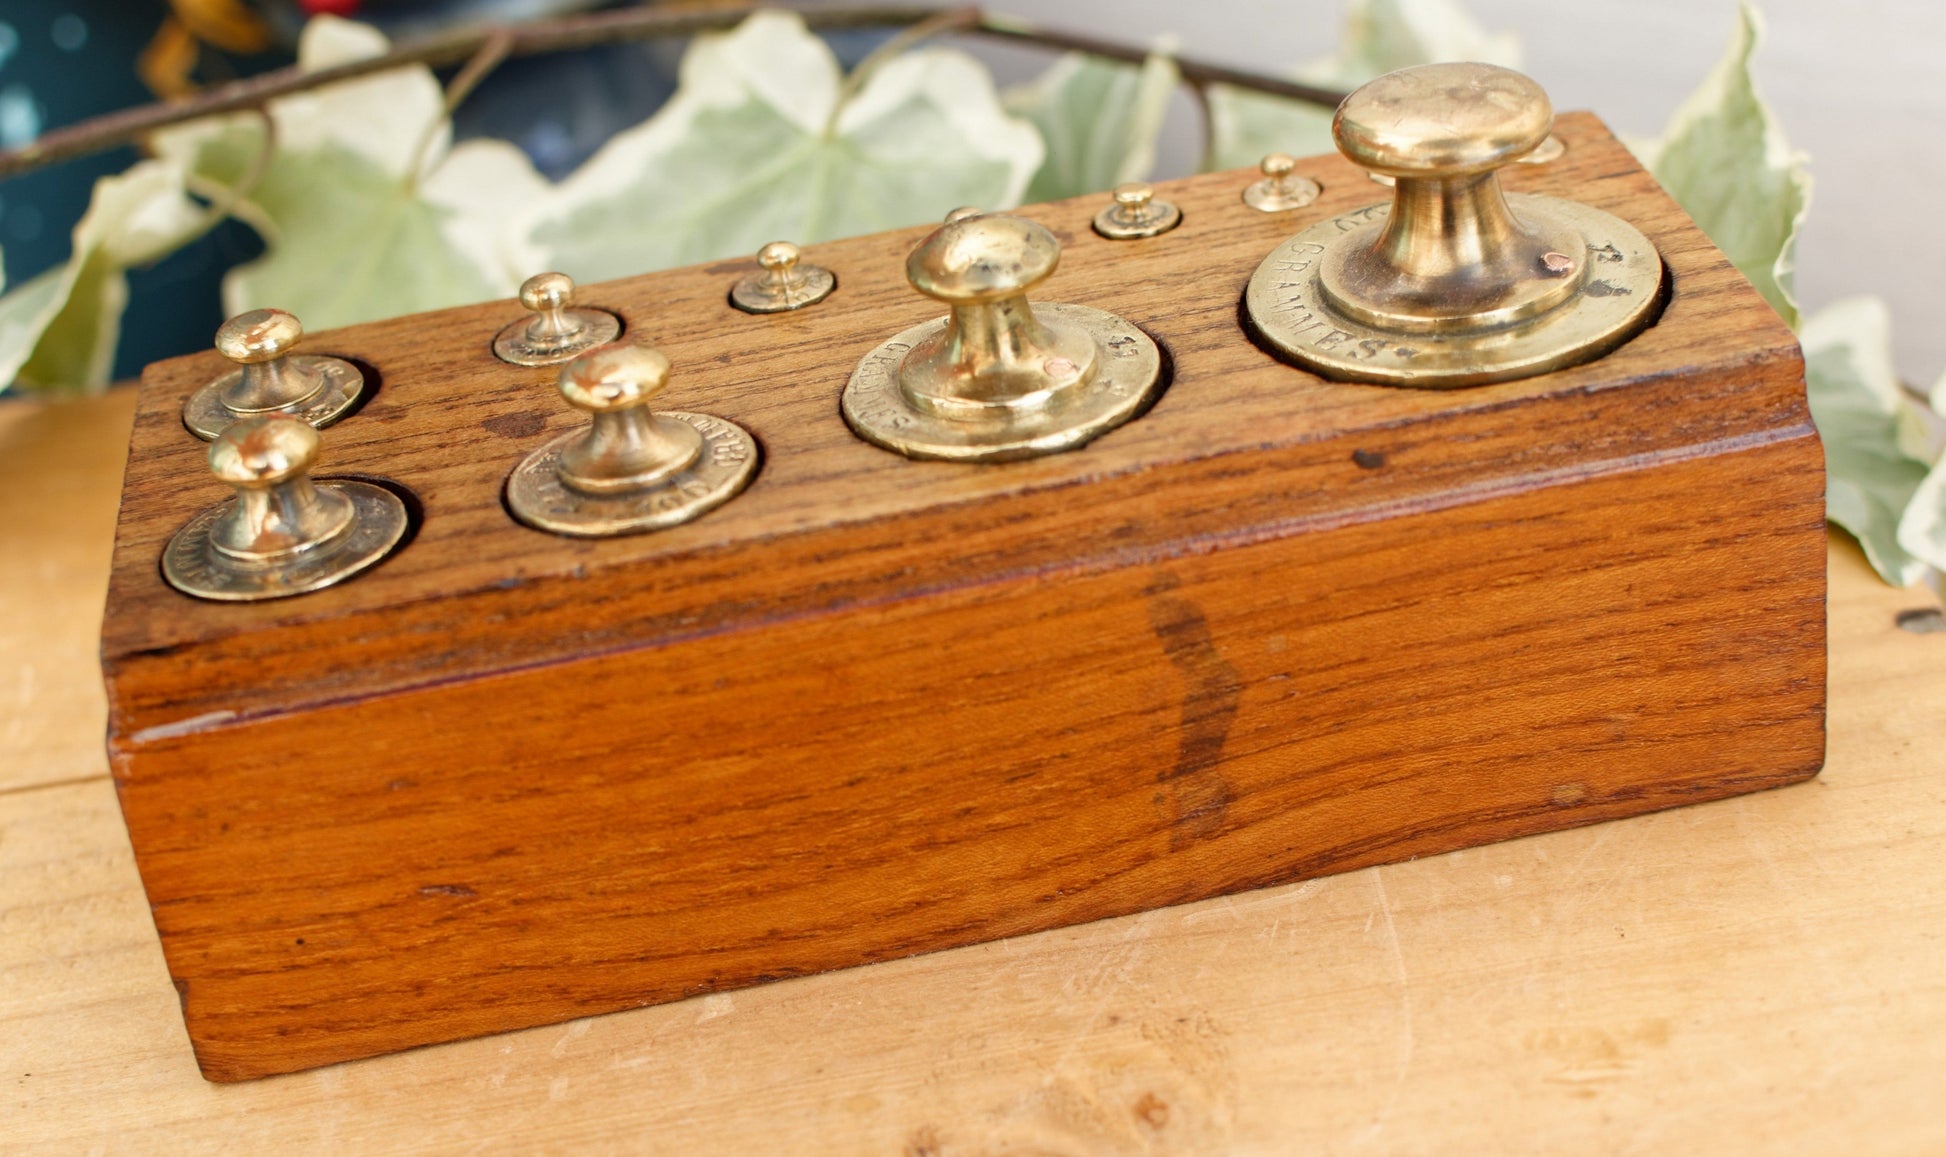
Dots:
pixel 1276 628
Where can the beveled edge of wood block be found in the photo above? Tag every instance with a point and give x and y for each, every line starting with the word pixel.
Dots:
pixel 844 522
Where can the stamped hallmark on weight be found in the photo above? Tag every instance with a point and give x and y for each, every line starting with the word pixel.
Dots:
pixel 1291 311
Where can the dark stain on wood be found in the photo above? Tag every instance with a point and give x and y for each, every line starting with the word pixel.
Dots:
pixel 1197 793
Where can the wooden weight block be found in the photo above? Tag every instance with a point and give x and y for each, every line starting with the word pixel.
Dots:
pixel 1277 627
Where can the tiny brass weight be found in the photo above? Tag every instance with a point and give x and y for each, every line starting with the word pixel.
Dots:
pixel 1455 282
pixel 631 469
pixel 997 378
pixel 270 378
pixel 1135 213
pixel 282 534
pixel 558 330
pixel 786 282
pixel 1280 189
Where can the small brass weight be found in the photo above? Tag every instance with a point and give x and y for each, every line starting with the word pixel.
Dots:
pixel 998 379
pixel 282 534
pixel 558 329
pixel 1454 283
pixel 631 469
pixel 270 378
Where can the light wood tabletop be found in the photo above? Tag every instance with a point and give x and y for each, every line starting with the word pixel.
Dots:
pixel 1764 974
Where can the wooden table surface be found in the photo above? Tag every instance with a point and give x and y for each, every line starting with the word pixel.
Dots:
pixel 1763 974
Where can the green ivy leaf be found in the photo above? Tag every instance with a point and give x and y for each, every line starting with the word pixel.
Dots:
pixel 1867 424
pixel 1099 119
pixel 761 142
pixel 366 208
pixel 59 330
pixel 1726 162
pixel 1380 36
pixel 1922 528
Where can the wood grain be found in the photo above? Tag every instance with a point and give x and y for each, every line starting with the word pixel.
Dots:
pixel 1277 628
pixel 1760 974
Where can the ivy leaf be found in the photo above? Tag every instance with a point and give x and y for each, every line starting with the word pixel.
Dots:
pixel 1380 36
pixel 366 208
pixel 761 141
pixel 1725 161
pixel 1099 119
pixel 1868 426
pixel 59 330
pixel 1922 529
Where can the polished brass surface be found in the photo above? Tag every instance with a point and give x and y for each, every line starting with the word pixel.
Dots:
pixel 1281 188
pixel 1134 213
pixel 631 469
pixel 270 378
pixel 282 534
pixel 1455 282
pixel 998 378
pixel 786 283
pixel 1551 149
pixel 559 330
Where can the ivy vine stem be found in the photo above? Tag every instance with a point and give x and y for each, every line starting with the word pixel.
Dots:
pixel 560 34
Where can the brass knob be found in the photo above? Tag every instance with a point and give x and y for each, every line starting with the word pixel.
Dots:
pixel 1451 254
pixel 627 445
pixel 271 377
pixel 558 329
pixel 1281 188
pixel 999 378
pixel 1135 213
pixel 631 468
pixel 1455 282
pixel 786 283
pixel 282 533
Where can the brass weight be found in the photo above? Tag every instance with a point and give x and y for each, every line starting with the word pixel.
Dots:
pixel 271 378
pixel 1455 282
pixel 998 378
pixel 282 534
pixel 558 330
pixel 630 469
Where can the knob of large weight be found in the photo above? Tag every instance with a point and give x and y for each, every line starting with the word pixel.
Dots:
pixel 627 445
pixel 994 357
pixel 1452 254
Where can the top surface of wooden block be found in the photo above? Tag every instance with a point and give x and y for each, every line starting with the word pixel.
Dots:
pixel 831 520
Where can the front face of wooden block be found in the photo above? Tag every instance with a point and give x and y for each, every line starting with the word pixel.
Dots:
pixel 1275 628
pixel 989 761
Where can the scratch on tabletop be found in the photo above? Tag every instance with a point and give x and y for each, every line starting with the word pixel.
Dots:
pixel 1122 960
pixel 576 1030
pixel 716 1004
pixel 1237 911
pixel 1578 898
pixel 1406 1041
